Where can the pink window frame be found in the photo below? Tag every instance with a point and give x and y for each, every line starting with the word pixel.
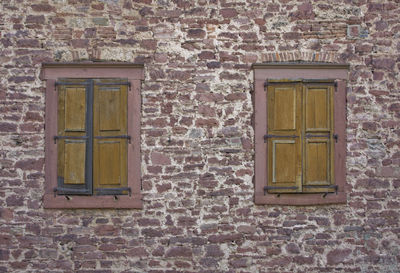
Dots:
pixel 134 73
pixel 263 72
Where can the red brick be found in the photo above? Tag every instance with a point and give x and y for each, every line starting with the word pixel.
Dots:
pixel 225 238
pixel 207 55
pixel 151 232
pixel 28 43
pixel 30 164
pixel 106 230
pixel 196 33
pixel 228 13
pixel 383 63
pixel 8 127
pixel 138 252
pixel 236 96
pixel 178 251
pixel 42 7
pixel 337 256
pixel 35 19
pixel 160 159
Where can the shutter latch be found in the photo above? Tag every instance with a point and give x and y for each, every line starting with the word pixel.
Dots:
pixel 335 136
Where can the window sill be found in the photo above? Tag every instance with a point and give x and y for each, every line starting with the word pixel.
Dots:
pixel 92 202
pixel 303 199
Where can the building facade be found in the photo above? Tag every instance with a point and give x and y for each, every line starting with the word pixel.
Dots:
pixel 196 142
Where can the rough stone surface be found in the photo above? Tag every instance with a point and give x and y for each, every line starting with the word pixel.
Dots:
pixel 197 136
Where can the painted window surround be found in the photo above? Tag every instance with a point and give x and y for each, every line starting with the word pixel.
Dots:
pixel 134 73
pixel 263 72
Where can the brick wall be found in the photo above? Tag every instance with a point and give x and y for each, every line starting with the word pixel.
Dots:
pixel 197 136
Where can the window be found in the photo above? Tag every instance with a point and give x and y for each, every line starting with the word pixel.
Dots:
pixel 300 137
pixel 92 135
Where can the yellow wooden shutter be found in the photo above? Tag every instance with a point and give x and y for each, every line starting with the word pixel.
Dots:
pixel 284 137
pixel 318 138
pixel 109 133
pixel 72 138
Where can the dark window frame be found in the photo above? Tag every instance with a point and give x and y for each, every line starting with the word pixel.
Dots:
pixel 263 72
pixel 51 72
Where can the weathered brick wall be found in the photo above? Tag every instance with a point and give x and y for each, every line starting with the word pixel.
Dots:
pixel 197 136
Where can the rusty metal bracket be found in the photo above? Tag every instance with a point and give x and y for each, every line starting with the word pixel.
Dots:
pixel 69 137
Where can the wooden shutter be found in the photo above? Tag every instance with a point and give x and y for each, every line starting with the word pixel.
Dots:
pixel 110 137
pixel 284 137
pixel 73 159
pixel 318 137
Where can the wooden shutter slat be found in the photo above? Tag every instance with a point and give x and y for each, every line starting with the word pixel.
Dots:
pixel 110 162
pixel 284 143
pixel 74 162
pixel 318 143
pixel 75 109
pixel 109 109
pixel 72 139
pixel 284 108
pixel 317 162
pixel 317 104
pixel 110 136
pixel 284 161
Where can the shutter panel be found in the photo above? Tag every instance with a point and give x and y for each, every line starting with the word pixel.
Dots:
pixel 72 138
pixel 318 138
pixel 110 137
pixel 283 137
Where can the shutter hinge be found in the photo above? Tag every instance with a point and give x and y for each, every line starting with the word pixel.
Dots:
pixel 266 83
pixel 69 137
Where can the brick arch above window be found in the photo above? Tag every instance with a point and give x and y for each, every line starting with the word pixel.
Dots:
pixel 302 56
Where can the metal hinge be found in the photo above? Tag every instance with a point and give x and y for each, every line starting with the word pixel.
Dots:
pixel 69 137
